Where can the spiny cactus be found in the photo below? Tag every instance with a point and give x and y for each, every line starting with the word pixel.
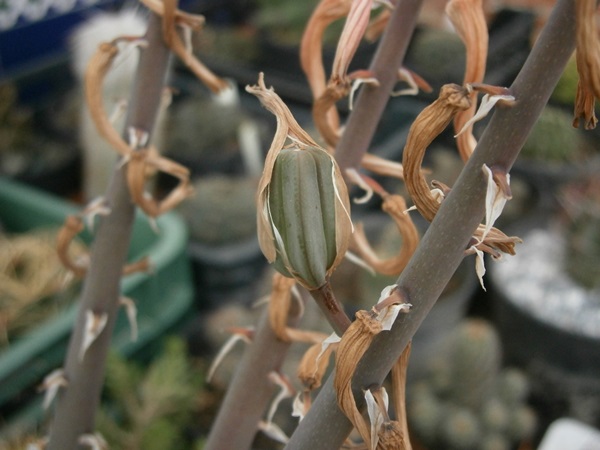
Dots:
pixel 583 236
pixel 475 357
pixel 553 138
pixel 467 401
pixel 223 209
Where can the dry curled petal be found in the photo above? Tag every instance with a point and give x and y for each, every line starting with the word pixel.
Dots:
pixel 468 19
pixel 280 306
pixel 588 46
pixel 98 67
pixel 139 164
pixel 395 206
pixel 355 342
pixel 313 365
pixel 585 102
pixel 426 127
pixel 311 48
pixel 72 226
pixel 189 22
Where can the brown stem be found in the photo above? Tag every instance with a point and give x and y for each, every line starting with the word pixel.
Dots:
pixel 442 248
pixel 331 308
pixel 77 403
pixel 250 390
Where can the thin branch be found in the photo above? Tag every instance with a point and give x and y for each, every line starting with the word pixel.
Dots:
pixel 371 101
pixel 250 390
pixel 77 403
pixel 442 247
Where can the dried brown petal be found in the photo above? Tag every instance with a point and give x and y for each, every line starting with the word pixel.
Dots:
pixel 137 168
pixel 395 206
pixel 355 342
pixel 98 67
pixel 174 41
pixel 72 226
pixel 399 396
pixel 311 48
pixel 588 47
pixel 468 19
pixel 426 127
pixel 313 365
pixel 391 437
pixel 279 313
pixel 585 101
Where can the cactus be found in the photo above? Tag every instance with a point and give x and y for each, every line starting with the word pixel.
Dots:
pixel 476 361
pixel 467 401
pixel 222 210
pixel 583 234
pixel 461 429
pixel 553 138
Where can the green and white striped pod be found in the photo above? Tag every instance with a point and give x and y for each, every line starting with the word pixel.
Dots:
pixel 309 215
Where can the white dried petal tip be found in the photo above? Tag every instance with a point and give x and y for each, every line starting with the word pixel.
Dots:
pixel 358 180
pixel 94 324
pixel 299 407
pixel 479 265
pixel 131 311
pixel 413 88
pixel 51 384
pixel 273 431
pixel 97 207
pixel 495 199
pixel 387 316
pixel 93 441
pixel 487 103
pixel 225 349
pixel 358 83
pixel 285 391
pixel 376 416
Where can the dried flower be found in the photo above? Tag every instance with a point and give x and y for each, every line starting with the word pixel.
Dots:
pixel 426 127
pixel 353 345
pixel 588 57
pixel 395 206
pixel 468 19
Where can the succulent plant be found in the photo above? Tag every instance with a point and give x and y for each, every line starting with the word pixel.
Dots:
pixel 222 209
pixel 553 138
pixel 467 401
pixel 475 357
pixel 583 234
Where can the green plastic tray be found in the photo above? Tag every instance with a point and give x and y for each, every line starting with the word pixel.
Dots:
pixel 163 298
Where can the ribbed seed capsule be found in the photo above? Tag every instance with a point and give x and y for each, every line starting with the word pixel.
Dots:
pixel 308 209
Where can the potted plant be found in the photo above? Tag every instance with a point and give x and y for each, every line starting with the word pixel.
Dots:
pixel 547 303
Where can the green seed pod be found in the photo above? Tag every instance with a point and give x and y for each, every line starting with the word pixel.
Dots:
pixel 308 210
